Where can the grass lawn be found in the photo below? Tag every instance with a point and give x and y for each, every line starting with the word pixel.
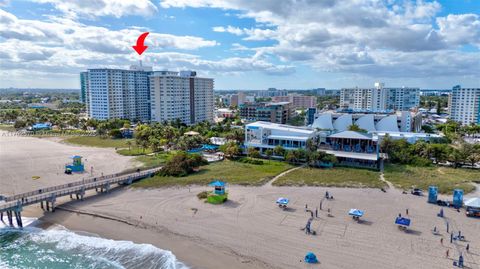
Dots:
pixel 134 151
pixel 445 178
pixel 230 171
pixel 334 177
pixel 154 160
pixel 5 127
pixel 96 141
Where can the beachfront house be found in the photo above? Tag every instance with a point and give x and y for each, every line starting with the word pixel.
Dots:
pixel 266 135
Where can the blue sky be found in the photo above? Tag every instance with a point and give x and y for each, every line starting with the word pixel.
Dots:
pixel 246 44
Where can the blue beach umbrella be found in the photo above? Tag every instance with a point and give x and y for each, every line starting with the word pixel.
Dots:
pixel 311 258
pixel 355 212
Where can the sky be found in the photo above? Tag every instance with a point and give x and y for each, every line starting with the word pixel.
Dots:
pixel 245 44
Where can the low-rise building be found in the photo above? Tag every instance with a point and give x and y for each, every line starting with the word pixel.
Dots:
pixel 297 101
pixel 272 112
pixel 267 135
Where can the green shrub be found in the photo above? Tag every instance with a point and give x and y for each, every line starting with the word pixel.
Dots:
pixel 182 164
pixel 216 199
pixel 202 195
pixel 251 161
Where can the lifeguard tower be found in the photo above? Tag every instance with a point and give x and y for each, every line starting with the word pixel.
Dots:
pixel 218 195
pixel 76 166
pixel 219 187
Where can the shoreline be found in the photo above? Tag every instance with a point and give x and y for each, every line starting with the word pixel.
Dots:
pixel 191 251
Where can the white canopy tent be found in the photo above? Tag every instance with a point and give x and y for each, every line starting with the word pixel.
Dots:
pixel 473 202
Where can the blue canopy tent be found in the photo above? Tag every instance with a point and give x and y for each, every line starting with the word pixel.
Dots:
pixel 356 213
pixel 311 258
pixel 219 186
pixel 402 221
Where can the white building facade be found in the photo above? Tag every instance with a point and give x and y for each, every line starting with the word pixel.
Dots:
pixel 181 96
pixel 380 98
pixel 465 105
pixel 118 93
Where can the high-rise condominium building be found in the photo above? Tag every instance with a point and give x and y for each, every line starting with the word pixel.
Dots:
pixel 83 86
pixel 117 93
pixel 380 98
pixel 465 105
pixel 181 96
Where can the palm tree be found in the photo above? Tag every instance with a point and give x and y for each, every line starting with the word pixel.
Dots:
pixel 269 153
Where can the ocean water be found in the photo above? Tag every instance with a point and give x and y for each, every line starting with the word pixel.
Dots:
pixel 58 247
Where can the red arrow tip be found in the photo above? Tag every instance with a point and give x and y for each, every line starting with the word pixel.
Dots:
pixel 140 49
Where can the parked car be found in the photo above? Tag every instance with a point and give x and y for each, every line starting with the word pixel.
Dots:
pixel 471 213
pixel 417 192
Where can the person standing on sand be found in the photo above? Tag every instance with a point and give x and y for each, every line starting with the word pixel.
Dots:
pixel 468 247
pixel 441 241
pixel 406 211
pixel 316 212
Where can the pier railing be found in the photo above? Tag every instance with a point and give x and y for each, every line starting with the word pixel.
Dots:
pixel 17 201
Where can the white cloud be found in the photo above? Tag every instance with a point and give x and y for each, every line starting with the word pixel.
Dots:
pixel 364 36
pixel 252 33
pixel 460 29
pixel 94 8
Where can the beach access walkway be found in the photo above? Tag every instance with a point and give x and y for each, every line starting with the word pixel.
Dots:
pixel 13 205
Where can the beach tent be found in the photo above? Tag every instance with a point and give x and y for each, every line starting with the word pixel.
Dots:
pixel 457 198
pixel 432 194
pixel 311 258
pixel 402 221
pixel 473 203
pixel 356 213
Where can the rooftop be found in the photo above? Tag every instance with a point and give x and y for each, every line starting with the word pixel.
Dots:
pixel 352 135
pixel 282 127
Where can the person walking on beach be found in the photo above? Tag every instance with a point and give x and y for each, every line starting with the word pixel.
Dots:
pixel 468 247
pixel 306 207
pixel 406 211
pixel 441 241
pixel 451 238
pixel 316 212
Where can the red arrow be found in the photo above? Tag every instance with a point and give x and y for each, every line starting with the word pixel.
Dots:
pixel 140 47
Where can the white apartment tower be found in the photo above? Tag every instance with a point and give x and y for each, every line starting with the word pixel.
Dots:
pixel 465 105
pixel 380 98
pixel 118 94
pixel 181 96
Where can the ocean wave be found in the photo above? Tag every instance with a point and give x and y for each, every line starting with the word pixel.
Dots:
pixel 61 248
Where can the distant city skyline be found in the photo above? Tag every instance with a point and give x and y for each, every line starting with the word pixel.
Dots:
pixel 246 44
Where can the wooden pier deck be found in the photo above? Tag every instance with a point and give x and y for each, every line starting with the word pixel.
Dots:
pixel 46 197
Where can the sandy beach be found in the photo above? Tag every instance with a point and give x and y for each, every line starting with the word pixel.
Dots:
pixel 22 158
pixel 250 231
